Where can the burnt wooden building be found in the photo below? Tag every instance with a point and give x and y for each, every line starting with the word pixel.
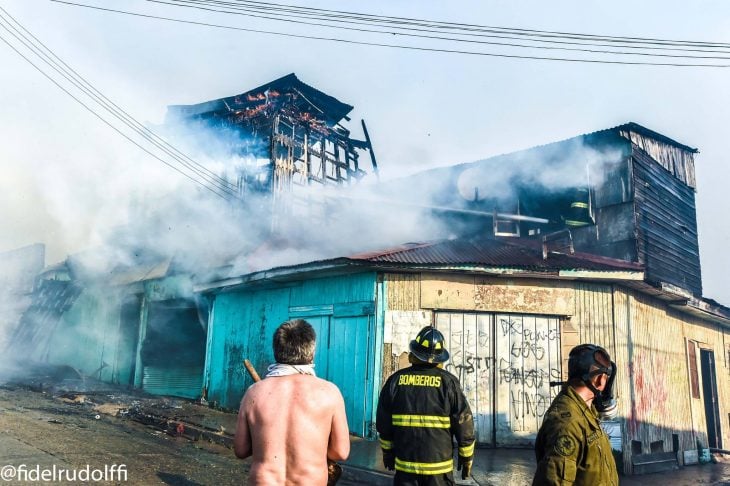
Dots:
pixel 626 192
pixel 287 133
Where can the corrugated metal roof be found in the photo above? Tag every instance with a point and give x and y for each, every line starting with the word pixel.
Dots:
pixel 493 253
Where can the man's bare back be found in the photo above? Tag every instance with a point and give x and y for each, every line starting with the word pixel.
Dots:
pixel 291 425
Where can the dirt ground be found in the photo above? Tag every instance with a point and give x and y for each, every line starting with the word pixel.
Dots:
pixel 37 429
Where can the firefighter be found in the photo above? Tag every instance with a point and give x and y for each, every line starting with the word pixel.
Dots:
pixel 420 409
pixel 571 446
pixel 580 209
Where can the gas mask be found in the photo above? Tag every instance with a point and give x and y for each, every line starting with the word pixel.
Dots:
pixel 605 403
pixel 582 363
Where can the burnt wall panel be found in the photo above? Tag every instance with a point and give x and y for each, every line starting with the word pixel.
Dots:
pixel 614 185
pixel 666 225
pixel 614 234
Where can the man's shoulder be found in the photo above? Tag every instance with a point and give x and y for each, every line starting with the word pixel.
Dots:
pixel 564 412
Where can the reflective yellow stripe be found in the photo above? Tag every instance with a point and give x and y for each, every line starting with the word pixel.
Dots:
pixel 430 421
pixel 579 205
pixel 425 468
pixel 467 451
pixel 386 444
pixel 571 222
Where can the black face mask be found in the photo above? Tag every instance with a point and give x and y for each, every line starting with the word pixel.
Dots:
pixel 604 401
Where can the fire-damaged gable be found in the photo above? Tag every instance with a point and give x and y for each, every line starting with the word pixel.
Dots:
pixel 626 193
pixel 285 132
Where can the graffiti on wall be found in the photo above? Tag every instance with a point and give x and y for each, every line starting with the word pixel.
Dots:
pixel 651 394
pixel 528 349
pixel 470 355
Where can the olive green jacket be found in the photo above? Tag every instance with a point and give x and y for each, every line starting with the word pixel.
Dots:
pixel 571 447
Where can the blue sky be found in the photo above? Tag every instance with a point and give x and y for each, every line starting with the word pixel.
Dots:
pixel 65 175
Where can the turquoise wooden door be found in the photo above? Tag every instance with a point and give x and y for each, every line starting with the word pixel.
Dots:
pixel 321 325
pixel 348 364
pixel 343 354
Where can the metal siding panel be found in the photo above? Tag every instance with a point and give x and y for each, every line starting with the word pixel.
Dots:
pixel 489 294
pixel 399 329
pixel 667 225
pixel 484 404
pixel 594 315
pixel 403 291
pixel 462 334
pixel 622 357
pixel 660 404
pixel 527 350
pixel 175 381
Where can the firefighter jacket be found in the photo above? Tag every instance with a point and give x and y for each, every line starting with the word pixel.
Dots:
pixel 419 411
pixel 571 448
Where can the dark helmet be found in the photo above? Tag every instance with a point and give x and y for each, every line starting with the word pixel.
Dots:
pixel 585 356
pixel 429 346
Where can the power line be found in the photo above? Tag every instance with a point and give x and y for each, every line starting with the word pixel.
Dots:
pixel 456 25
pixel 51 59
pixel 254 12
pixel 469 30
pixel 100 99
pixel 397 46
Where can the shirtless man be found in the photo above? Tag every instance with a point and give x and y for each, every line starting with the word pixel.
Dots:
pixel 292 422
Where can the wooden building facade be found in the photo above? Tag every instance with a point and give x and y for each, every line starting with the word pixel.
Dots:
pixel 510 318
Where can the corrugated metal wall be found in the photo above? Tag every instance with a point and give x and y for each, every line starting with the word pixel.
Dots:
pixel 180 381
pixel 653 380
pixel 505 363
pixel 667 226
pixel 645 337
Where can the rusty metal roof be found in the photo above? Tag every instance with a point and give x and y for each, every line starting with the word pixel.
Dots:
pixel 500 253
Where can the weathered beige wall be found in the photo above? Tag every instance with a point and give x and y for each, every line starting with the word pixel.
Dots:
pixel 653 379
pixel 403 319
pixel 403 291
pixel 521 296
pixel 646 338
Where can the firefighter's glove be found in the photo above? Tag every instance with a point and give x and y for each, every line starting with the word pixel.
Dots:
pixel 388 460
pixel 464 466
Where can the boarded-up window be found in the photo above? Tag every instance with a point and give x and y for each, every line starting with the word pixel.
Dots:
pixel 693 376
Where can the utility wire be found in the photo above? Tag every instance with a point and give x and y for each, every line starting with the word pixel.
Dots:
pixel 459 26
pixel 249 12
pixel 99 116
pixel 436 27
pixel 396 46
pixel 100 99
pixel 50 58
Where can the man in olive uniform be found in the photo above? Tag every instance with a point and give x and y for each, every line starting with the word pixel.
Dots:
pixel 571 447
pixel 421 409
